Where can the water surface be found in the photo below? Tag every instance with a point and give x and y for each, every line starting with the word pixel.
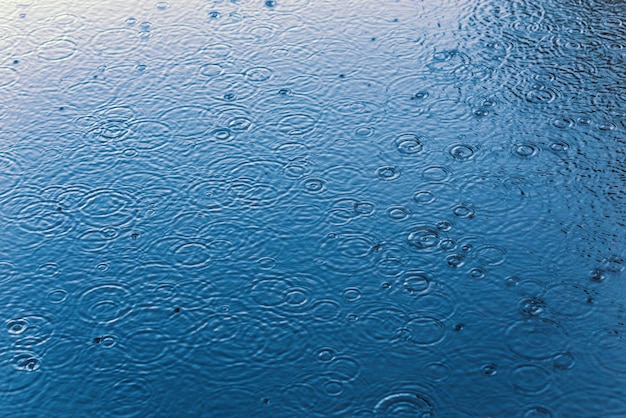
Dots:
pixel 313 208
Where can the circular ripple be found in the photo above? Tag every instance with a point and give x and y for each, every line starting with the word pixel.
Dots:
pixel 491 255
pixel 148 135
pixel 436 174
pixel 57 49
pixel 416 282
pixel 461 152
pixel 536 339
pixel 422 331
pixel 388 173
pixel 348 252
pixel 29 331
pixel 8 77
pixel 188 120
pixel 567 300
pixel 423 238
pixel 607 348
pixel 405 404
pixel 108 207
pixel 314 185
pixel 20 371
pixel 116 41
pixel 258 74
pixel 409 144
pixel 105 303
pixel 530 378
pixel 212 193
pixel 45 217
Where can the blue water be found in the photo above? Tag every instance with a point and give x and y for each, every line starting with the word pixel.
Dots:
pixel 308 208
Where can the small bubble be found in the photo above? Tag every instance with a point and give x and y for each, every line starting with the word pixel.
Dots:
pixel 162 5
pixel 455 260
pixel 477 273
pixel 444 225
pixel 386 285
pixel 15 62
pixel 481 113
pixel 459 327
pixel 512 281
pixel 584 121
pixel 176 310
pixel 326 355
pixel 420 95
pixel 214 14
pixel 131 21
pixel 284 92
pixel 447 244
pixel 97 340
pixel 607 126
pixel 563 361
pixel 353 317
pixel 532 306
pixel 270 3
pixel 559 146
pixel 598 275
pixel 266 401
pixel 563 123
pixel 490 369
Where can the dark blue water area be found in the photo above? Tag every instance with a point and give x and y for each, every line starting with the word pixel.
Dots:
pixel 308 208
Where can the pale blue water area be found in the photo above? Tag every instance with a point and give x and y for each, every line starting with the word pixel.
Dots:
pixel 313 208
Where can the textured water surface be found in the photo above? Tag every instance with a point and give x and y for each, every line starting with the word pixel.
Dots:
pixel 254 208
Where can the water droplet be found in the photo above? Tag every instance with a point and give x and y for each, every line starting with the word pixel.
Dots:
pixel 490 369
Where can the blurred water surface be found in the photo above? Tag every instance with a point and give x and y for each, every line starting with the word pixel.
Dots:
pixel 313 208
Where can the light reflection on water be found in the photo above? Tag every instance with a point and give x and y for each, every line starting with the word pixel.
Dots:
pixel 306 208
